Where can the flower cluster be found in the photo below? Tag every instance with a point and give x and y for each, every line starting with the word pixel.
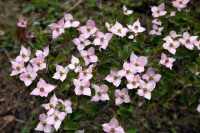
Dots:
pixel 57 110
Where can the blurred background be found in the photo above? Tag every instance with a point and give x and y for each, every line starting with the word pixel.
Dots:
pixel 18 110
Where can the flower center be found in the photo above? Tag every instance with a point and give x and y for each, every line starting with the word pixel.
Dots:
pixel 115 77
pixel 61 73
pixel 151 77
pixel 167 60
pixel 76 64
pixel 84 72
pixel 23 55
pixel 44 123
pixel 119 31
pixel 133 82
pixel 42 89
pixel 102 39
pixel 99 93
pixel 181 2
pixel 88 56
pixel 55 117
pixel 18 68
pixel 171 44
pixel 81 87
pixel 136 27
pixel 51 105
pixel 156 30
pixel 128 71
pixel 136 64
pixel 38 63
pixel 112 130
pixel 28 76
pixel 122 96
pixel 88 29
pixel 188 40
pixel 57 28
pixel 158 11
pixel 145 89
pixel 81 42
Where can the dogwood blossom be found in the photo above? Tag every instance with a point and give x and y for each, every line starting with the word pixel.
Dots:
pixel 81 42
pixel 75 64
pixel 180 4
pixel 89 56
pixel 122 96
pixel 114 78
pixel 18 67
pixel 100 93
pixel 151 76
pixel 28 75
pixel 172 35
pixel 126 11
pixel 67 106
pixel 136 27
pixel 133 82
pixel 89 29
pixel 119 30
pixel 171 45
pixel 43 53
pixel 172 14
pixel 188 41
pixel 22 22
pixel 197 44
pixel 86 74
pixel 128 70
pixel 38 63
pixel 69 22
pixel 113 127
pixel 157 22
pixel 167 61
pixel 138 62
pixel 51 106
pixel 43 89
pixel 56 119
pixel 24 54
pixel 102 39
pixel 42 125
pixel 82 87
pixel 158 11
pixel 57 28
pixel 61 73
pixel 146 89
pixel 156 30
pixel 198 108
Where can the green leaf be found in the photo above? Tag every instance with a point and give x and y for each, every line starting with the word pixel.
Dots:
pixel 59 59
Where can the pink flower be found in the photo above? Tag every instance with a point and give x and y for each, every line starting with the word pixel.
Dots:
pixel 122 96
pixel 81 42
pixel 180 4
pixel 138 62
pixel 119 30
pixel 22 22
pixel 133 82
pixel 57 28
pixel 24 54
pixel 198 108
pixel 167 61
pixel 108 26
pixel 67 106
pixel 156 30
pixel 151 76
pixel 69 22
pixel 89 56
pixel 89 29
pixel 56 119
pixel 172 35
pixel 136 27
pixel 197 44
pixel 86 74
pixel 38 63
pixel 61 73
pixel 18 67
pixel 43 89
pixel 146 89
pixel 114 78
pixel 75 64
pixel 102 39
pixel 113 127
pixel 101 93
pixel 171 45
pixel 44 53
pixel 28 75
pixel 157 22
pixel 172 14
pixel 42 125
pixel 158 11
pixel 188 41
pixel 82 87
pixel 126 11
pixel 30 35
pixel 51 105
pixel 128 70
